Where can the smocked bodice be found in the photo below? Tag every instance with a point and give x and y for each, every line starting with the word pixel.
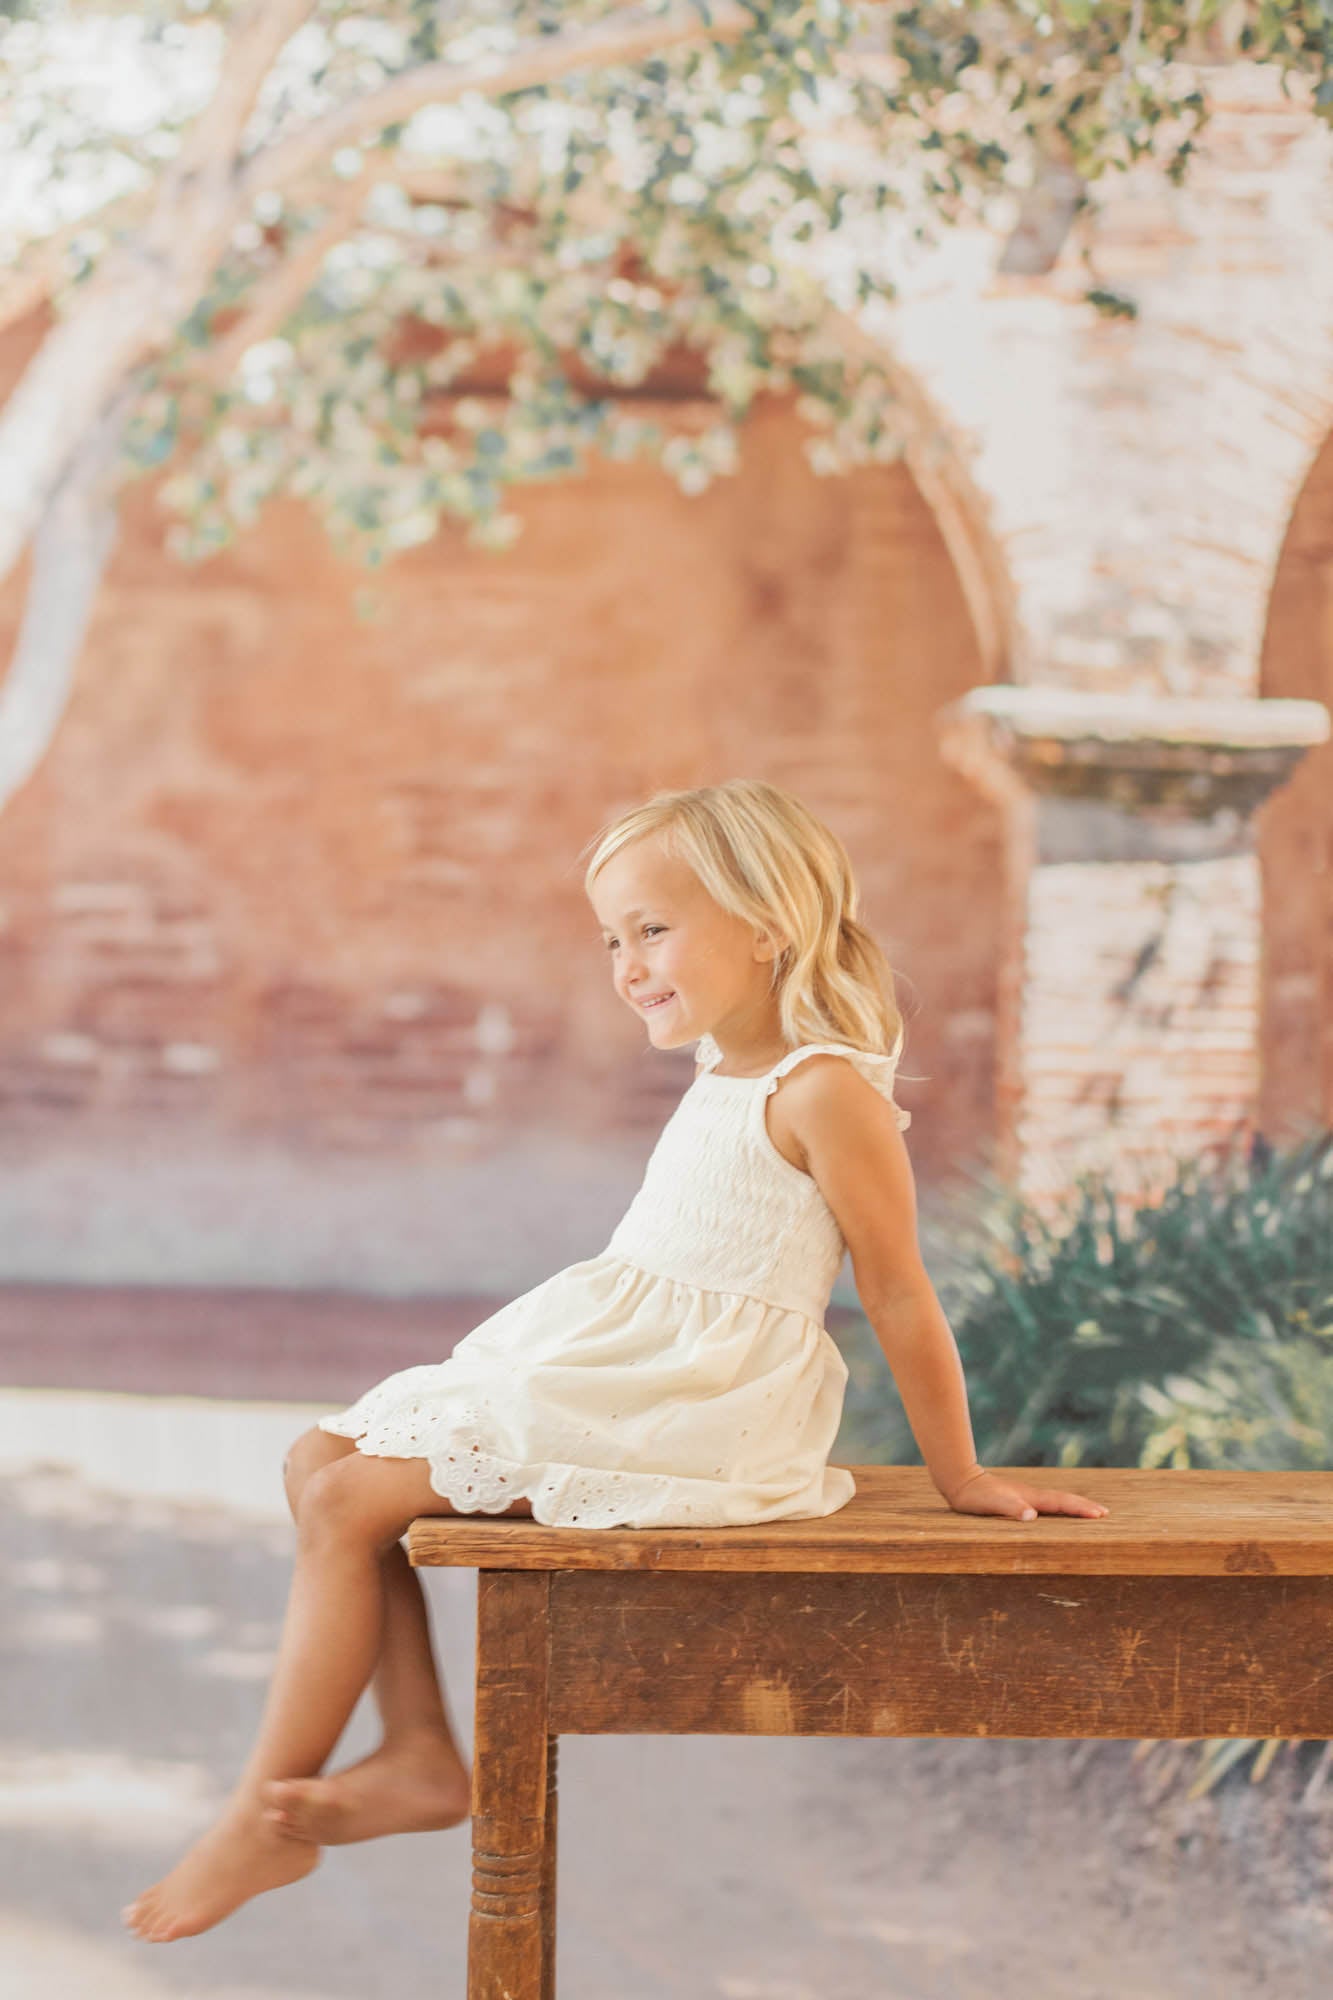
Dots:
pixel 720 1208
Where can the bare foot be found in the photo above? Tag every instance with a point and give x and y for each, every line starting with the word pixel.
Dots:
pixel 233 1861
pixel 410 1787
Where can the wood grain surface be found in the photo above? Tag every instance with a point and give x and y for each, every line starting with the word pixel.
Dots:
pixel 1161 1523
pixel 1201 1605
pixel 922 1655
pixel 511 1928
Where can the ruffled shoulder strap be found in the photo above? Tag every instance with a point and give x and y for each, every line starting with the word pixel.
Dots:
pixel 875 1068
pixel 707 1054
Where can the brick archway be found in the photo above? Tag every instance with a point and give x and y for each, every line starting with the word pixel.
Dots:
pixel 1296 828
pixel 379 1049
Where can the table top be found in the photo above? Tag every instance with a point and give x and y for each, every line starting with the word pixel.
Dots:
pixel 1161 1522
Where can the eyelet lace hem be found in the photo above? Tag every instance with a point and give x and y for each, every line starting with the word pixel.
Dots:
pixel 477 1480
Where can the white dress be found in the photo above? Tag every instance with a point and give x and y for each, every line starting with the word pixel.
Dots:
pixel 684 1377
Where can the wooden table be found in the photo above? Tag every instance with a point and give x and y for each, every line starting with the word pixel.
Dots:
pixel 1201 1605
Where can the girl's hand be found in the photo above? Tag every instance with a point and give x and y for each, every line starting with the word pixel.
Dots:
pixel 984 1492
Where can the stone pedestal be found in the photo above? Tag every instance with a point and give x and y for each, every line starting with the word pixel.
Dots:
pixel 1130 991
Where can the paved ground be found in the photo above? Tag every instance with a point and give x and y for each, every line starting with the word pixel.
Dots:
pixel 140 1620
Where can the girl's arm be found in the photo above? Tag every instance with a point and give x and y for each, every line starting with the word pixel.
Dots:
pixel 853 1149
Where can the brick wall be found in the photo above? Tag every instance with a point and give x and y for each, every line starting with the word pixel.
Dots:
pixel 301 986
pixel 1139 1031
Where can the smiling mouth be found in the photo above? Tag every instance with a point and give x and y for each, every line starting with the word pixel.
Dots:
pixel 651 1006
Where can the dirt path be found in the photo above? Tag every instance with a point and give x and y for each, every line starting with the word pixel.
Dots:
pixel 136 1644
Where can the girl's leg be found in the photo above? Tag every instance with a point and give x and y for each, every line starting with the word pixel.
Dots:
pixel 352 1512
pixel 415 1780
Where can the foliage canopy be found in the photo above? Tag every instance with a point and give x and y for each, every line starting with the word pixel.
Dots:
pixel 419 310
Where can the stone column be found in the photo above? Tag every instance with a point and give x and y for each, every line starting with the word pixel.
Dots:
pixel 1129 1030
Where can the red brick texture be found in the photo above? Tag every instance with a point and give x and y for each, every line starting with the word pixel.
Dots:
pixel 293 918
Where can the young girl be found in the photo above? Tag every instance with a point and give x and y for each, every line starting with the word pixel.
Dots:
pixel 684 1377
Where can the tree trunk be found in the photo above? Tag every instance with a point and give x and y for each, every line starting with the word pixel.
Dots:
pixel 1045 216
pixel 78 388
pixel 143 290
pixel 69 556
pixel 133 303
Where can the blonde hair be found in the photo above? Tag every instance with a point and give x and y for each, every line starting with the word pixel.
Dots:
pixel 765 858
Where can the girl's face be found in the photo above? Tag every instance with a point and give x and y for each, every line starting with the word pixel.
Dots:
pixel 683 964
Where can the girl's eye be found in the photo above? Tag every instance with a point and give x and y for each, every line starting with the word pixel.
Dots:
pixel 611 943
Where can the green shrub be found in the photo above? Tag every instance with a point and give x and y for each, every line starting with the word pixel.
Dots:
pixel 1192 1330
pixel 1195 1328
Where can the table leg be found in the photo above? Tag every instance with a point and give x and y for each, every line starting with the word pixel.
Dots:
pixel 548 1873
pixel 511 1931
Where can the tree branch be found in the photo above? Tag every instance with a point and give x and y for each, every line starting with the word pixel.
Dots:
pixel 542 59
pixel 281 293
pixel 30 284
pixel 1045 216
pixel 139 294
pixel 208 155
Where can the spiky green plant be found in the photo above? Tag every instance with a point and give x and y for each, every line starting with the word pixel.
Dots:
pixel 1192 1329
